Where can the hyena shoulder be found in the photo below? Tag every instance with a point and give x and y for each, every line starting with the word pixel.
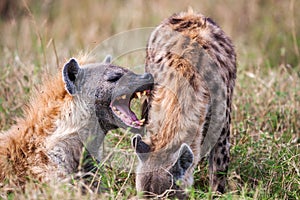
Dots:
pixel 194 67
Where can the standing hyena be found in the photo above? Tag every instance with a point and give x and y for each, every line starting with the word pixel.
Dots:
pixel 194 67
pixel 68 112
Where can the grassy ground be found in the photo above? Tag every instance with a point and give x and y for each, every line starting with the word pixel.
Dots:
pixel 37 36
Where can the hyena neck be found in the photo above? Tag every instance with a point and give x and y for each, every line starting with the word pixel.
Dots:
pixel 173 118
pixel 44 108
pixel 76 128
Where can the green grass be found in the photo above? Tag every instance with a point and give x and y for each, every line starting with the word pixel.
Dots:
pixel 265 152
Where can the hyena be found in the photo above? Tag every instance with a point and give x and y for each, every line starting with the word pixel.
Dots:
pixel 193 64
pixel 71 110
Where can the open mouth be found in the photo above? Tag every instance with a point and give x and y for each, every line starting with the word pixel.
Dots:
pixel 122 106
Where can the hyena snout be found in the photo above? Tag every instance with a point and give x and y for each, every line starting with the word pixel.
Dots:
pixel 162 172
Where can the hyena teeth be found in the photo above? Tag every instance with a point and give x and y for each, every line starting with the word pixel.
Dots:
pixel 42 167
pixel 142 121
pixel 145 92
pixel 123 97
pixel 138 94
pixel 133 123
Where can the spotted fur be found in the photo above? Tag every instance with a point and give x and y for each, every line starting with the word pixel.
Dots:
pixel 184 53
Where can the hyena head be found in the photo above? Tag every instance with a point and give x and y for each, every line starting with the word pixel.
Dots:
pixel 163 172
pixel 95 84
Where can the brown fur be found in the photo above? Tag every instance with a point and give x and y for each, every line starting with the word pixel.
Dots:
pixel 69 113
pixel 26 138
pixel 184 53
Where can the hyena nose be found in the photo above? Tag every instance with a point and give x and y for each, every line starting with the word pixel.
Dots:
pixel 147 76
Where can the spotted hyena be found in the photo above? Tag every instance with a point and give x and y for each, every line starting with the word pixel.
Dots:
pixel 193 64
pixel 70 111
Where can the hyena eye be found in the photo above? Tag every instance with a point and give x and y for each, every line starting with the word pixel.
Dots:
pixel 112 76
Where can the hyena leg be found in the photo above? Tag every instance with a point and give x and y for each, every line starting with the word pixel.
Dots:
pixel 219 161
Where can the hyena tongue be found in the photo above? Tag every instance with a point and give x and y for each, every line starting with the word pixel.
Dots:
pixel 122 109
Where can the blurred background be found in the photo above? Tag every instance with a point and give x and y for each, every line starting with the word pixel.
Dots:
pixel 267 29
pixel 38 36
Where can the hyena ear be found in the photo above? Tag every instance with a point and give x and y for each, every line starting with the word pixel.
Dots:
pixel 141 148
pixel 70 73
pixel 107 59
pixel 184 161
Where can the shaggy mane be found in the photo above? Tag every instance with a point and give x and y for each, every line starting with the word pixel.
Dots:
pixel 25 139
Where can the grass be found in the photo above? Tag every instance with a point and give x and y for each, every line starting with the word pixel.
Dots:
pixel 265 152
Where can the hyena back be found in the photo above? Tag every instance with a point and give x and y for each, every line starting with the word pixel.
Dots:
pixel 191 60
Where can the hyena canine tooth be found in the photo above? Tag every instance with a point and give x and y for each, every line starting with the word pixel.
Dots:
pixel 70 111
pixel 193 64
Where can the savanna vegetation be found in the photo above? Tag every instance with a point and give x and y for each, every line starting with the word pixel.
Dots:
pixel 39 36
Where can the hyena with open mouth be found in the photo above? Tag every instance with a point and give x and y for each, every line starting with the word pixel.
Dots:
pixel 194 67
pixel 71 111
